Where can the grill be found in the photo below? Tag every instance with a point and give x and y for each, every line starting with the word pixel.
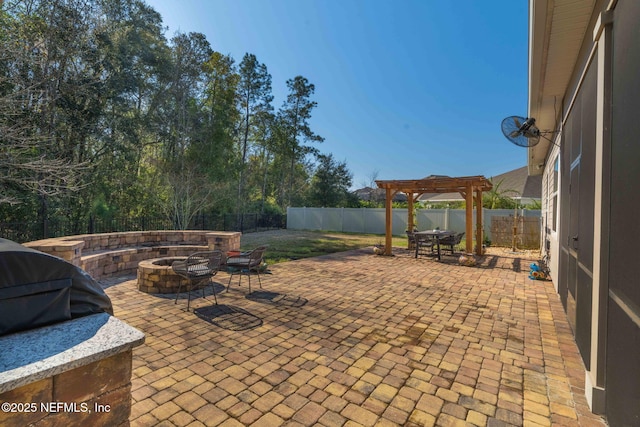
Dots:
pixel 38 289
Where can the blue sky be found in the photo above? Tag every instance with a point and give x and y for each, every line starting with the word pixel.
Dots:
pixel 405 88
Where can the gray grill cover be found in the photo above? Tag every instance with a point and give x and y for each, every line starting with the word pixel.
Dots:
pixel 38 289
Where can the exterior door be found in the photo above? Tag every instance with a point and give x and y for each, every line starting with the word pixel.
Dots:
pixel 576 255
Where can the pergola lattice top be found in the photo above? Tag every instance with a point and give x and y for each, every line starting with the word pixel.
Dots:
pixel 470 187
pixel 437 184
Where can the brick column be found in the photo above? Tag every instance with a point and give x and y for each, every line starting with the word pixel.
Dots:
pixel 224 240
pixel 68 250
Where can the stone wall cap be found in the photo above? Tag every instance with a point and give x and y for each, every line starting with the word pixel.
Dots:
pixel 223 233
pixel 30 356
pixel 55 242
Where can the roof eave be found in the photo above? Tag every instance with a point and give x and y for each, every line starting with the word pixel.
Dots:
pixel 555 40
pixel 539 22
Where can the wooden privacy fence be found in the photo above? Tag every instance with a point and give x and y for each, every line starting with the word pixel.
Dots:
pixel 527 231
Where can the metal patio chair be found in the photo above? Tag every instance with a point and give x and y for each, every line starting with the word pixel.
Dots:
pixel 451 243
pixel 198 269
pixel 423 244
pixel 411 240
pixel 245 264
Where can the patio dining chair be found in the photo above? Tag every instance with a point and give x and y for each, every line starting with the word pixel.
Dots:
pixel 198 269
pixel 424 244
pixel 245 264
pixel 451 243
pixel 411 240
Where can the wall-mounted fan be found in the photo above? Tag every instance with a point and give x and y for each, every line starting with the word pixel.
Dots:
pixel 522 131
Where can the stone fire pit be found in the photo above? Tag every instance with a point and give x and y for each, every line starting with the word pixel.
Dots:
pixel 155 276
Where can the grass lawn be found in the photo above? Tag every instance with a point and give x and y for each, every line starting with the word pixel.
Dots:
pixel 287 245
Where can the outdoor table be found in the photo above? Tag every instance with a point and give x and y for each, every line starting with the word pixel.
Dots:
pixel 438 234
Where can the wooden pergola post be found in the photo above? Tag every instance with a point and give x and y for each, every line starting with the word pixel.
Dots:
pixel 479 230
pixel 410 217
pixel 468 195
pixel 388 222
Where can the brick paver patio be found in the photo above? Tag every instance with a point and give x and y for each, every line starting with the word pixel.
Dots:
pixel 380 341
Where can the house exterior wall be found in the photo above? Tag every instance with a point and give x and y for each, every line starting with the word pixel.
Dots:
pixel 550 211
pixel 622 377
pixel 591 251
pixel 569 211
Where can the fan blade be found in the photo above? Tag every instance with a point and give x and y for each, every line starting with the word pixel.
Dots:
pixel 515 129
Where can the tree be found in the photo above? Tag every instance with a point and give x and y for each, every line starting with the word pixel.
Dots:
pixel 185 128
pixel 102 118
pixel 498 197
pixel 136 65
pixel 372 178
pixel 295 114
pixel 267 132
pixel 49 99
pixel 330 183
pixel 87 71
pixel 215 148
pixel 190 194
pixel 254 98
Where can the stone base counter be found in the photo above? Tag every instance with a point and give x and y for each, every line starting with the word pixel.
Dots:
pixel 75 373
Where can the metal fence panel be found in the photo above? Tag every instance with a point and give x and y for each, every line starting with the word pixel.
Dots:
pixel 58 227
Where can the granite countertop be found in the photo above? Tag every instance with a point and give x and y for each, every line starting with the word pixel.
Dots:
pixel 29 356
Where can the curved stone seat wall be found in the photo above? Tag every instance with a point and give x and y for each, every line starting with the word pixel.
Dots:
pixel 105 254
pixel 125 261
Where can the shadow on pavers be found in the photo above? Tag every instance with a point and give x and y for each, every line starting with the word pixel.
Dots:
pixel 276 298
pixel 228 317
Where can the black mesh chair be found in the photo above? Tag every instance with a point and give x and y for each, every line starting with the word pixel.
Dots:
pixel 198 269
pixel 245 264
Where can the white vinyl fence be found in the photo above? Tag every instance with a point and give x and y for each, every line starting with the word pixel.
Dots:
pixel 371 220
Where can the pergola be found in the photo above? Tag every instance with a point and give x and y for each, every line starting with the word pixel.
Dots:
pixel 470 187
